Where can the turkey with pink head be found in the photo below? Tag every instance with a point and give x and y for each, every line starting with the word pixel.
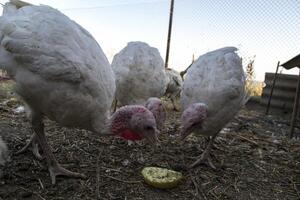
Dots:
pixel 61 72
pixel 213 92
pixel 156 106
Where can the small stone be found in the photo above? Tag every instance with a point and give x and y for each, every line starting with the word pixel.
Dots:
pixel 141 160
pixel 125 162
pixel 225 130
pixel 276 141
pixel 19 109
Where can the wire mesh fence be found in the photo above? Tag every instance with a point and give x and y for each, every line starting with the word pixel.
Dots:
pixel 267 29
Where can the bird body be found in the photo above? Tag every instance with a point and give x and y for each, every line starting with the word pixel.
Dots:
pixel 61 72
pixel 140 74
pixel 213 92
pixel 174 84
pixel 217 80
pixel 61 61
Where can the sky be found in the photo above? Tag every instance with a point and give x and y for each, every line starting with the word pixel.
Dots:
pixel 266 29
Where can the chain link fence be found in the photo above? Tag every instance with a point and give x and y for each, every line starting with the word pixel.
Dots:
pixel 268 30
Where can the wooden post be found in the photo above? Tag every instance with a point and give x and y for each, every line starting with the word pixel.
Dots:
pixel 272 88
pixel 295 108
pixel 169 33
pixel 185 71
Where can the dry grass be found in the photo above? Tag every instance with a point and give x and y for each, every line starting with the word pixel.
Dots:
pixel 254 88
pixel 6 88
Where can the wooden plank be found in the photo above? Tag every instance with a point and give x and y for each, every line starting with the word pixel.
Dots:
pixel 273 85
pixel 295 109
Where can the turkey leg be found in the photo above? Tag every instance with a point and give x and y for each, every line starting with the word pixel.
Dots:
pixel 205 156
pixel 54 167
pixel 33 142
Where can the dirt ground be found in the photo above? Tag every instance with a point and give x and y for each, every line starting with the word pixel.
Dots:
pixel 253 156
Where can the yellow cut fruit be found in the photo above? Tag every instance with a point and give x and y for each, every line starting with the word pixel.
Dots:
pixel 161 177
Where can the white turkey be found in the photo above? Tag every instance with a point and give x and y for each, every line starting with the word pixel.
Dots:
pixel 213 92
pixel 61 72
pixel 140 74
pixel 174 84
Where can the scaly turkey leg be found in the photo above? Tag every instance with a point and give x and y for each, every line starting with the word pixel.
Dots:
pixel 33 142
pixel 54 167
pixel 205 156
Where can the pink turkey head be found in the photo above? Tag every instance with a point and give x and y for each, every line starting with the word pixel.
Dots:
pixel 155 105
pixel 134 123
pixel 192 118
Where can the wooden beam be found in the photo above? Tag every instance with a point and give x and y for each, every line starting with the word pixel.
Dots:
pixel 272 88
pixel 294 62
pixel 184 71
pixel 295 109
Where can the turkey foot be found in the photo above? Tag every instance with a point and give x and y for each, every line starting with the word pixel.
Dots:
pixel 58 170
pixel 205 158
pixel 54 167
pixel 33 142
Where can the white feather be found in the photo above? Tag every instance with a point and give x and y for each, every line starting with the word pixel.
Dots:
pixel 174 83
pixel 216 79
pixel 140 74
pixel 59 68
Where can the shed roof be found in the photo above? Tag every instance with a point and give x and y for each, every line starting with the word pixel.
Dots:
pixel 294 62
